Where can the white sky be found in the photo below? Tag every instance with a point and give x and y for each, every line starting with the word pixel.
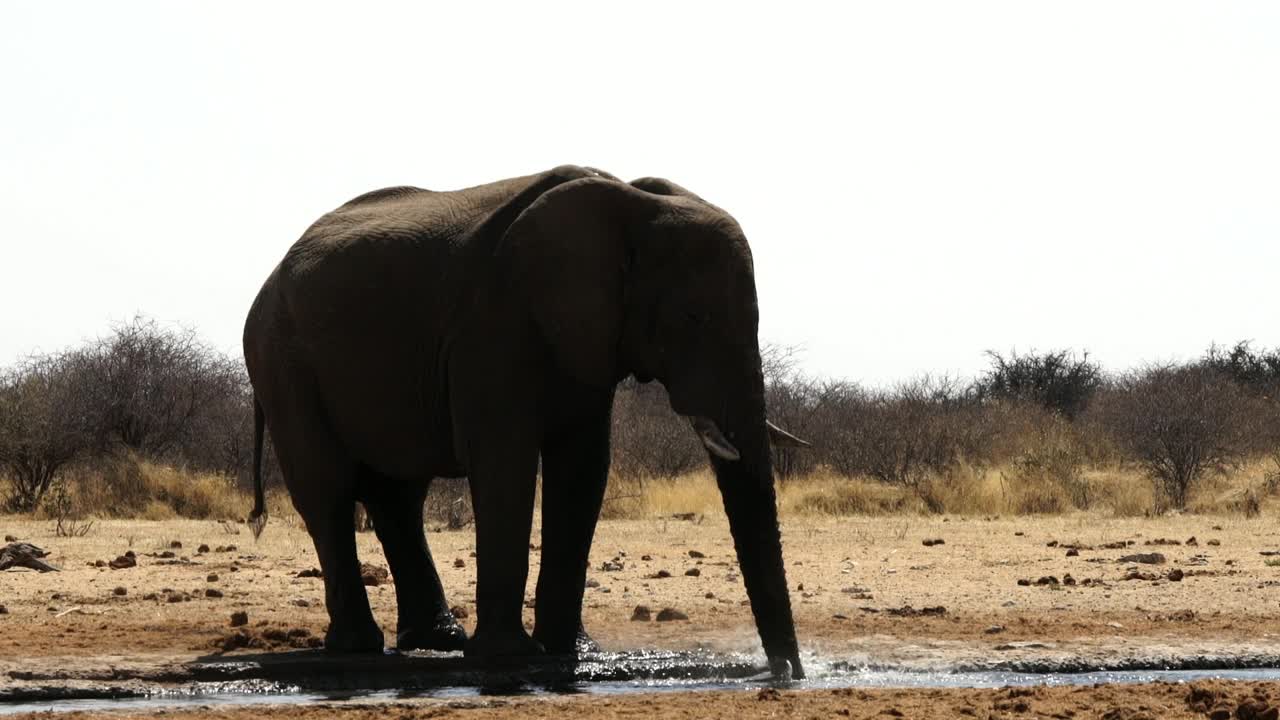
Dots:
pixel 919 181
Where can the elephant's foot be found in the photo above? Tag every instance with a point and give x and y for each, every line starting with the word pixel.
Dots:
pixel 443 633
pixel 354 638
pixel 562 643
pixel 512 644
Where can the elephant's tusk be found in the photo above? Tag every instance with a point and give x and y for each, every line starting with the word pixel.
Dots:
pixel 711 437
pixel 782 438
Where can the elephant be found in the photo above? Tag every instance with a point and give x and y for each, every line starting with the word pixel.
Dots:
pixel 412 334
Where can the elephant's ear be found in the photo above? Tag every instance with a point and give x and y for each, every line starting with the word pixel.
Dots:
pixel 567 258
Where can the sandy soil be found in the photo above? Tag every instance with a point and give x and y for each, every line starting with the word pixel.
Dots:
pixel 860 587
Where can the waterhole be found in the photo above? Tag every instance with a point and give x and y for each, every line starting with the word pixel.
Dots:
pixel 316 677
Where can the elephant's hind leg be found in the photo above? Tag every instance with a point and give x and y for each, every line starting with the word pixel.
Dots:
pixel 321 481
pixel 425 621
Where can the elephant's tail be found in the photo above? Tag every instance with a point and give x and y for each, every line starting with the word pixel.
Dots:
pixel 258 518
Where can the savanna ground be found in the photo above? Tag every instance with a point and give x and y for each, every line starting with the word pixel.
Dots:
pixel 866 590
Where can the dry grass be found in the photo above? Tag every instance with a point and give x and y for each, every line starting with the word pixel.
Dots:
pixel 130 487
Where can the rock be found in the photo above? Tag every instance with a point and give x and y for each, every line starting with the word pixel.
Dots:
pixel 908 611
pixel 1154 558
pixel 641 613
pixel 710 596
pixel 592 583
pixel 1176 575
pixel 10 538
pixel 1191 542
pixel 1068 580
pixel 612 566
pixel 239 618
pixel 176 545
pixel 1047 580
pixel 151 596
pixel 1024 582
pixel 994 630
pixel 1254 709
pixel 311 573
pixel 301 602
pixel 1073 553
pixel 692 572
pixel 178 597
pixel 212 593
pixel 660 574
pixel 459 563
pixel 4 610
pixel 696 555
pixel 202 549
pixel 669 614
pixel 120 592
pixel 769 694
pixel 1214 543
pixel 934 541
pixel 122 562
pixel 1051 543
pixel 646 558
pixel 20 554
pixel 459 612
pixel 211 577
pixel 373 575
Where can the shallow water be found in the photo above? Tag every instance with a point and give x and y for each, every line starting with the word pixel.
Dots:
pixel 612 675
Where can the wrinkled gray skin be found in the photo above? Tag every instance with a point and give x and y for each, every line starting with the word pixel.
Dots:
pixel 413 334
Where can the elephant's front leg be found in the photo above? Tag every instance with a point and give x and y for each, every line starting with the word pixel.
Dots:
pixel 503 473
pixel 396 506
pixel 575 468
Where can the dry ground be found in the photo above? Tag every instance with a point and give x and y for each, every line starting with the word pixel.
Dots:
pixel 851 580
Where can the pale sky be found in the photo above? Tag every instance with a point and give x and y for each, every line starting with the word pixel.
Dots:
pixel 920 182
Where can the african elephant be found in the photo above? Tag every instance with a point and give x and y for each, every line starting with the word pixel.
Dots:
pixel 412 334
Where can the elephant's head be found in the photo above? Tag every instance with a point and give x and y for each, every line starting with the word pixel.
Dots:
pixel 648 279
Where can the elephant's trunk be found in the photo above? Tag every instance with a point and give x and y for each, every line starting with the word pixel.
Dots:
pixel 746 485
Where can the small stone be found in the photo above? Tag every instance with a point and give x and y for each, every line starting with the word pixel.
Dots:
pixel 202 549
pixel 239 618
pixel 4 610
pixel 994 629
pixel 1024 582
pixel 592 583
pixel 1144 558
pixel 611 566
pixel 696 555
pixel 710 596
pixel 301 602
pixel 1073 553
pixel 459 612
pixel 459 563
pixel 669 614
pixel 1191 541
pixel 1047 580
pixel 934 541
pixel 124 561
pixel 176 545
pixel 151 596
pixel 211 577
pixel 373 575
pixel 212 593
pixel 177 597
pixel 646 558
pixel 641 613
pixel 692 572
pixel 310 573
pixel 10 538
pixel 120 592
pixel 1214 543
pixel 660 574
pixel 1176 575
pixel 1068 580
